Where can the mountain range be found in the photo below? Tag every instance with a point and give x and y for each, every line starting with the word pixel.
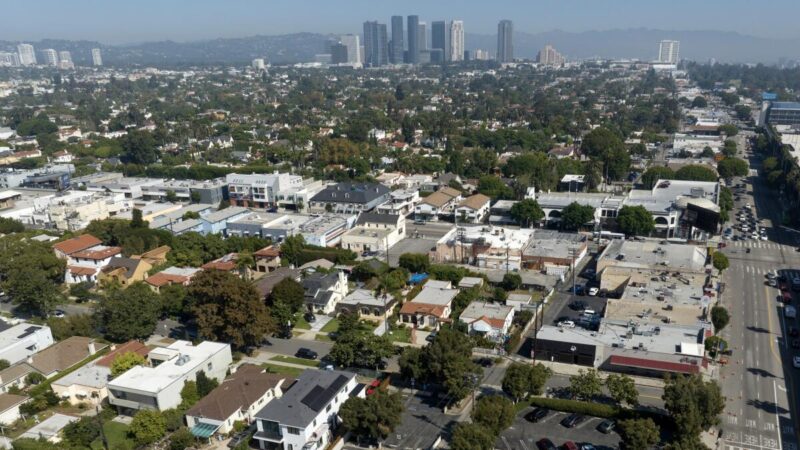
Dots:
pixel 638 43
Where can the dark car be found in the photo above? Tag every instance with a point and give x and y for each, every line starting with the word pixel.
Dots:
pixel 577 305
pixel 569 445
pixel 284 333
pixel 546 444
pixel 537 415
pixel 239 439
pixel 573 420
pixel 484 362
pixel 431 337
pixel 310 317
pixel 795 343
pixel 306 353
pixel 606 426
pixel 793 332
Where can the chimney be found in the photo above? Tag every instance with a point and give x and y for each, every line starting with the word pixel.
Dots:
pixel 92 349
pixel 29 360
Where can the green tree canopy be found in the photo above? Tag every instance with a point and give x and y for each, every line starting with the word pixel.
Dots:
pixel 655 173
pixel 733 167
pixel 126 361
pixel 719 317
pixel 372 418
pixel 495 412
pixel 415 262
pixel 694 172
pixel 639 434
pixel 82 432
pixel 521 380
pixel 699 102
pixel 575 215
pixel 527 212
pixel 285 301
pixel 511 281
pixel 720 261
pixel 129 313
pixel 228 309
pixel 492 186
pixel 693 404
pixel 147 426
pixel 139 147
pixel 472 436
pixel 622 389
pixel 635 221
pixel 586 385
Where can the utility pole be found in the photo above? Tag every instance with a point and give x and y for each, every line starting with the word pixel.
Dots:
pixel 572 252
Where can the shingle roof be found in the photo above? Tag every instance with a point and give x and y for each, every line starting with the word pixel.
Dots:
pixel 8 401
pixel 475 201
pixel 64 354
pixel 351 193
pixel 239 391
pixel 77 244
pixel 97 254
pixel 303 401
pixel 128 347
pixel 128 264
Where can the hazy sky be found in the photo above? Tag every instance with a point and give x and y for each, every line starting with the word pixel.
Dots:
pixel 118 21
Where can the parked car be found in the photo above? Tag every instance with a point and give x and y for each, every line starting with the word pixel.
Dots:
pixel 310 317
pixel 593 291
pixel 578 305
pixel 606 426
pixel 537 415
pixel 573 420
pixel 484 362
pixel 545 444
pixel 58 313
pixel 796 362
pixel 306 353
pixel 239 439
pixel 569 445
pixel 566 324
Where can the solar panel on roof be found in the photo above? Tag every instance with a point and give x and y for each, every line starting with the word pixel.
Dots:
pixel 28 331
pixel 318 397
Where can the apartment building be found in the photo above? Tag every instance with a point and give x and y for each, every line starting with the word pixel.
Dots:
pixel 271 190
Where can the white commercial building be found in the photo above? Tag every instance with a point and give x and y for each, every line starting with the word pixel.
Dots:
pixel 97 57
pixel 457 40
pixel 271 190
pixel 669 51
pixel 27 55
pixel 18 342
pixel 158 385
pixel 50 57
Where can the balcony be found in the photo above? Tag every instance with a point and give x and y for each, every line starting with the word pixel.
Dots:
pixel 269 436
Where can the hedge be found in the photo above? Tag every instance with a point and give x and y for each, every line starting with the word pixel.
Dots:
pixel 575 406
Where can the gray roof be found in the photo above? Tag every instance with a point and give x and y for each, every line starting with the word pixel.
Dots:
pixel 390 219
pixel 316 287
pixel 351 193
pixel 128 264
pixel 265 284
pixel 302 402
pixel 224 214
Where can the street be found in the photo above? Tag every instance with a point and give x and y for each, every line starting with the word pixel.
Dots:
pixel 758 381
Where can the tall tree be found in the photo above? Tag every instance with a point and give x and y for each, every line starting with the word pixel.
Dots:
pixel 521 380
pixel 575 215
pixel 228 309
pixel 586 384
pixel 472 436
pixel 720 318
pixel 526 212
pixel 373 418
pixel 129 313
pixel 693 403
pixel 292 247
pixel 639 434
pixel 147 427
pixel 635 221
pixel 622 389
pixel 655 173
pixel 495 412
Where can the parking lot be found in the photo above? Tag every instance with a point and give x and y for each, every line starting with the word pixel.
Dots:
pixel 570 310
pixel 522 435
pixel 422 423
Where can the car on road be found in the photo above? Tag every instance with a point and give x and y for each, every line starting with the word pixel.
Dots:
pixel 58 313
pixel 566 324
pixel 545 444
pixel 796 362
pixel 484 362
pixel 593 291
pixel 578 305
pixel 306 353
pixel 537 415
pixel 606 426
pixel 772 282
pixel 573 420
pixel 578 290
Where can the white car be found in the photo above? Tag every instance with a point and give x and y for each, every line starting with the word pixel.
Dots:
pixel 566 324
pixel 796 362
pixel 593 291
pixel 764 237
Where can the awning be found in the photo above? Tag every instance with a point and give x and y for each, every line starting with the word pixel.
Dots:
pixel 661 366
pixel 204 430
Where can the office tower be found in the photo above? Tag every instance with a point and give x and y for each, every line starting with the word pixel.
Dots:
pixel 338 53
pixel 505 42
pixel 550 57
pixel 423 36
pixel 258 64
pixel 397 49
pixel 439 40
pixel 65 60
pixel 436 55
pixel 50 57
pixel 468 56
pixel 353 44
pixel 481 55
pixel 413 40
pixel 456 40
pixel 8 59
pixel 376 49
pixel 27 55
pixel 97 57
pixel 669 51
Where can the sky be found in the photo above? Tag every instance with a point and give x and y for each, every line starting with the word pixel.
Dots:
pixel 131 21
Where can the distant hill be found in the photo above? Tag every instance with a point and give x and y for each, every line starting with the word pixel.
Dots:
pixel 301 47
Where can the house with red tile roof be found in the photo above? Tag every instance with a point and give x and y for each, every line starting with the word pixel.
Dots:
pixel 85 265
pixel 80 243
pixel 490 320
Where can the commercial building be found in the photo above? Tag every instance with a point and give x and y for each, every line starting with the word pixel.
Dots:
pixel 217 222
pixel 352 42
pixel 505 41
pixel 97 57
pixel 50 57
pixel 412 56
pixel 552 251
pixel 397 49
pixel 549 56
pixel 489 247
pixel 682 209
pixel 376 48
pixel 210 192
pixel 457 40
pixel 27 54
pixel 304 417
pixel 349 197
pixel 783 113
pixel 271 190
pixel 65 60
pixel 669 51
pixel 375 232
pixel 158 385
pixel 439 40
pixel 237 399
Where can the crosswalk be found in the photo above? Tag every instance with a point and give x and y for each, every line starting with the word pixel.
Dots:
pixel 756 244
pixel 759 270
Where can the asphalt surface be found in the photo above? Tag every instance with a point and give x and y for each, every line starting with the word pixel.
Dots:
pixel 522 435
pixel 759 380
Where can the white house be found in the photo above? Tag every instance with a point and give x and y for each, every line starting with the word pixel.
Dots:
pixel 473 209
pixel 304 417
pixel 375 232
pixel 441 202
pixel 18 342
pixel 9 407
pixel 324 291
pixel 490 320
pixel 245 392
pixel 85 265
pixel 401 202
pixel 158 385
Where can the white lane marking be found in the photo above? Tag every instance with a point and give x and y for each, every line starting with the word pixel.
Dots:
pixel 775 392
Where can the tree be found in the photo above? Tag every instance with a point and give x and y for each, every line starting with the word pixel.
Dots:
pixel 635 221
pixel 139 147
pixel 205 384
pixel 360 349
pixel 511 281
pixel 575 215
pixel 492 186
pixel 521 380
pixel 494 412
pixel 189 395
pixel 714 344
pixel 719 318
pixel 699 102
pixel 4 364
pixel 472 436
pixel 181 439
pixel 30 288
pixel 526 212
pixel 228 309
pixel 125 362
pixel 285 301
pixel 694 172
pixel 707 152
pixel 653 174
pixel 639 434
pixel 693 404
pixel 147 427
pixel 292 247
pixel 411 364
pixel 607 146
pixel 171 196
pixel 372 418
pixel 8 226
pixel 130 313
pixel 136 219
pixel 720 261
pixel 415 262
pixel 34 378
pixel 586 384
pixel 82 432
pixel 622 389
pixel 732 167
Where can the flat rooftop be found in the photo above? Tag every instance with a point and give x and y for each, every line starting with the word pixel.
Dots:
pixel 558 200
pixel 493 236
pixel 553 244
pixel 653 253
pixel 654 313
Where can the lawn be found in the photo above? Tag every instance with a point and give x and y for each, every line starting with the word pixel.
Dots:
pixel 331 326
pixel 301 324
pixel 116 434
pixel 293 360
pixel 284 370
pixel 400 335
pixel 322 337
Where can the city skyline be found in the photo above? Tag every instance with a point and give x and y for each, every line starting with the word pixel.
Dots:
pixel 148 20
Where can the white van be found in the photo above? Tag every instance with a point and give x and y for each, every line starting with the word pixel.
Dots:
pixel 789 312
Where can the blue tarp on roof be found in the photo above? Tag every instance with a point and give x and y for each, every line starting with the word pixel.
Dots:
pixel 417 278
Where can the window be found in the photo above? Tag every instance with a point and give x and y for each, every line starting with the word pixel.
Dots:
pixel 293 430
pixel 328 408
pixel 210 366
